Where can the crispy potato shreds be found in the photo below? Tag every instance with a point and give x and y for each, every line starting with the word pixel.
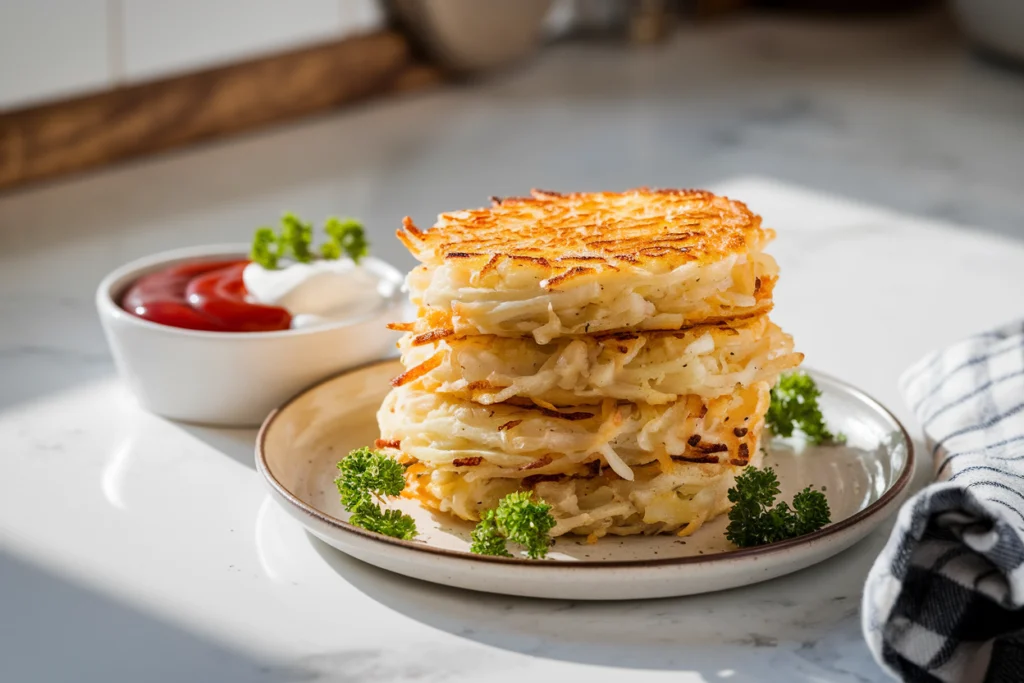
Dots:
pixel 601 227
pixel 695 458
pixel 533 480
pixel 418 371
pixel 492 264
pixel 575 271
pixel 537 464
pixel 641 259
pixel 539 260
pixel 572 417
pixel 650 367
pixel 432 336
pixel 410 235
pixel 609 351
pixel 609 471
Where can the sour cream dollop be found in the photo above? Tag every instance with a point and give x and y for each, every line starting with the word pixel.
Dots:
pixel 317 293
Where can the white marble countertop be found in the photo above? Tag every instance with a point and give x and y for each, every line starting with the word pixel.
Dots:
pixel 132 548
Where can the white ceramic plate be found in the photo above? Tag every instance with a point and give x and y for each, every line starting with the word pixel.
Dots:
pixel 865 481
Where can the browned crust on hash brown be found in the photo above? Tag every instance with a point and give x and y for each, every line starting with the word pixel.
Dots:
pixel 723 326
pixel 418 371
pixel 537 464
pixel 527 404
pixel 561 278
pixel 573 235
pixel 534 479
pixel 432 336
pixel 701 459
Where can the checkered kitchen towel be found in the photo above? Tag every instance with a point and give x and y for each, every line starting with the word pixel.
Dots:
pixel 945 599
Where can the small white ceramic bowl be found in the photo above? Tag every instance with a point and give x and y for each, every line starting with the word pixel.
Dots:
pixel 233 378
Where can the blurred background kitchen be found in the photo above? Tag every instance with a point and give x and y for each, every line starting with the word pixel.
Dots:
pixel 195 120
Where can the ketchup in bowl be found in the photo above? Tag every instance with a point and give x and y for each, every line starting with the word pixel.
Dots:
pixel 205 295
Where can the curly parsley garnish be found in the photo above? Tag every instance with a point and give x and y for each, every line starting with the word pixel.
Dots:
pixel 345 237
pixel 755 519
pixel 518 519
pixel 794 405
pixel 266 248
pixel 294 240
pixel 367 476
pixel 487 538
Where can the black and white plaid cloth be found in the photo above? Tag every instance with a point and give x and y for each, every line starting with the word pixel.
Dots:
pixel 945 599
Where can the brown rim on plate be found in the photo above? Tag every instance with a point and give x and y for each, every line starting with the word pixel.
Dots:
pixel 890 493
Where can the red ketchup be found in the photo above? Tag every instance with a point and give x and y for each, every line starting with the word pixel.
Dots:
pixel 207 295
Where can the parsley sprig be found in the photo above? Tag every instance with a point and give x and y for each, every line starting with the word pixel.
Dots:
pixel 794 405
pixel 344 237
pixel 294 240
pixel 266 248
pixel 518 519
pixel 755 519
pixel 367 477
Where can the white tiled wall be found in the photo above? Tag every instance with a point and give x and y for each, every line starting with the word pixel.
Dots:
pixel 51 49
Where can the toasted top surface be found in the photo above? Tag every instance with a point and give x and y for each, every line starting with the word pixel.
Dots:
pixel 570 234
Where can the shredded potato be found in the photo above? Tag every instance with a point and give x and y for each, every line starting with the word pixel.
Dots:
pixel 611 352
pixel 658 500
pixel 651 367
pixel 630 297
pixel 472 457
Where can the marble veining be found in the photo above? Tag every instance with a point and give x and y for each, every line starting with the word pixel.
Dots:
pixel 132 548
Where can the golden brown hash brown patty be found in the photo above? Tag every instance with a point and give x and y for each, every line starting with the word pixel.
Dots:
pixel 651 367
pixel 566 235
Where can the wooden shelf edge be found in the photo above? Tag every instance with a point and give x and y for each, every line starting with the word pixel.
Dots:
pixel 73 135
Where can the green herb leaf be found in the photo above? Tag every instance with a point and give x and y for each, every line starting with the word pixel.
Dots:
pixel 265 248
pixel 345 236
pixel 392 523
pixel 368 476
pixel 296 238
pixel 794 405
pixel 519 519
pixel 812 511
pixel 487 540
pixel 526 522
pixel 754 521
pixel 330 251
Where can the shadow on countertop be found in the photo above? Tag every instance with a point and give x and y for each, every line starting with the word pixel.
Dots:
pixel 800 627
pixel 236 443
pixel 56 629
pixel 740 636
pixel 746 635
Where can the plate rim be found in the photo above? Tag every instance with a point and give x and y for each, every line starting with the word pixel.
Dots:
pixel 776 548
